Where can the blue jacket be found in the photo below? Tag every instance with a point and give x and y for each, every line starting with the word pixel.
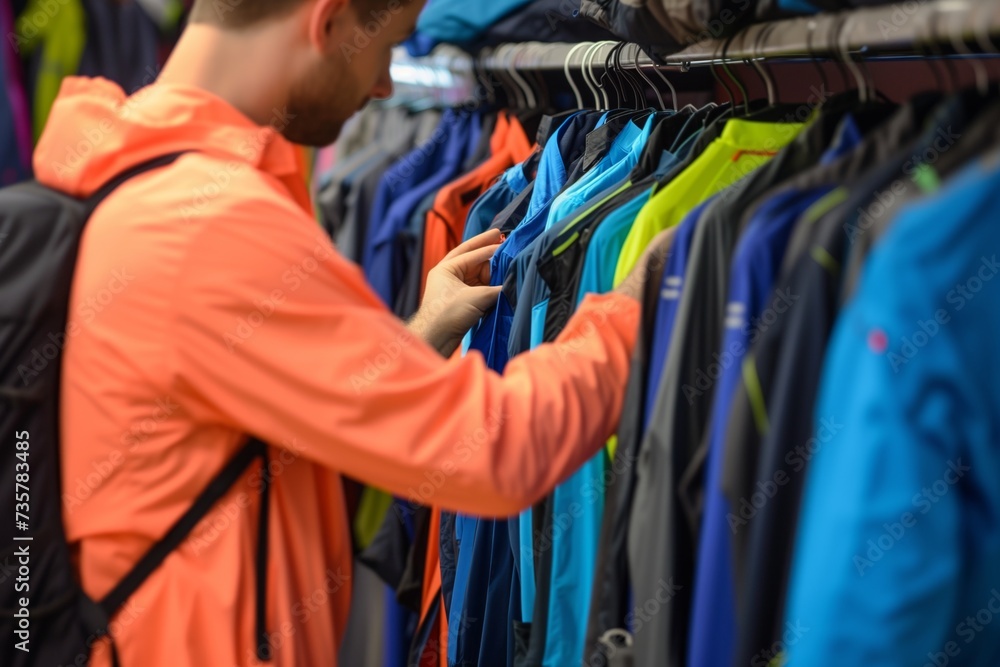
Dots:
pixel 483 586
pixel 457 21
pixel 897 557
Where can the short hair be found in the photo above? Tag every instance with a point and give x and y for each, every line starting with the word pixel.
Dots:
pixel 243 13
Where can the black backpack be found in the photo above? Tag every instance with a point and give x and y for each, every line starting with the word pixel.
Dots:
pixel 42 607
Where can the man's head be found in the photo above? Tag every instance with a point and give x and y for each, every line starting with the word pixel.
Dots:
pixel 339 50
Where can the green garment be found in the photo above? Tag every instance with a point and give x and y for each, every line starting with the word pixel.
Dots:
pixel 742 147
pixel 59 29
pixel 372 509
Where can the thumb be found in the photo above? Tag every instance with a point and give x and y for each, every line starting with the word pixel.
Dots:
pixel 473 266
pixel 482 298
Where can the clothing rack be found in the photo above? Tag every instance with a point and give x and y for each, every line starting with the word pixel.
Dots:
pixel 935 28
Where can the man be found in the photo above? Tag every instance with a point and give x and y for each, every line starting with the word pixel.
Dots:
pixel 208 305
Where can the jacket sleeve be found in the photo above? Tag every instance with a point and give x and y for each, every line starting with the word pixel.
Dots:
pixel 879 547
pixel 279 336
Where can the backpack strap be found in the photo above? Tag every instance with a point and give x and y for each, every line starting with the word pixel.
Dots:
pixel 263 526
pixel 214 492
pixel 100 614
pixel 94 200
pixel 97 615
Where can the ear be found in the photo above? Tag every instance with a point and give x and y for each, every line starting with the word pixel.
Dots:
pixel 329 23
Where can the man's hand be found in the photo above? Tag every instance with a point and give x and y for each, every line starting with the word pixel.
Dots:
pixel 651 261
pixel 457 294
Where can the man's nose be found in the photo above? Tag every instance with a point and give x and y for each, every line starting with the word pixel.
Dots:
pixel 383 87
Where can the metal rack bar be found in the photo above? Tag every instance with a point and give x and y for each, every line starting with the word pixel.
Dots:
pixel 901 30
pixel 891 30
pixel 897 29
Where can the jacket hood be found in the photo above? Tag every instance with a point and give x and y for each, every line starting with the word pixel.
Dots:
pixel 95 131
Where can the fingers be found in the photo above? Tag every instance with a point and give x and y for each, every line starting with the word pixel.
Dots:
pixel 473 267
pixel 483 298
pixel 488 238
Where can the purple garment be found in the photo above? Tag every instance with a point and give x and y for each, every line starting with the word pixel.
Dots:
pixel 15 126
pixel 419 173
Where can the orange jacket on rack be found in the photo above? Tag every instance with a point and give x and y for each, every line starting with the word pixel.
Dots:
pixel 208 304
pixel 445 224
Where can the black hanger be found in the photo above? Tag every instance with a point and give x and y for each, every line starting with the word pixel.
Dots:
pixel 735 80
pixel 869 93
pixel 607 74
pixel 814 59
pixel 635 87
pixel 649 81
pixel 831 39
pixel 754 62
pixel 923 46
pixel 719 81
pixel 985 42
pixel 773 111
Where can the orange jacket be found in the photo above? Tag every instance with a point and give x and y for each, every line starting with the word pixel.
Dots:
pixel 207 304
pixel 445 223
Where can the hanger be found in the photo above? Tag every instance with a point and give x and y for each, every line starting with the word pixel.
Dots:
pixel 569 79
pixel 979 71
pixel 626 76
pixel 757 62
pixel 525 75
pixel 492 80
pixel 920 43
pixel 599 79
pixel 862 78
pixel 484 83
pixel 812 55
pixel 957 38
pixel 499 68
pixel 873 90
pixel 832 31
pixel 612 64
pixel 601 101
pixel 774 112
pixel 610 75
pixel 524 90
pixel 531 117
pixel 721 82
pixel 622 106
pixel 729 73
pixel 593 102
pixel 867 86
pixel 754 66
pixel 933 43
pixel 843 50
pixel 529 95
pixel 982 35
pixel 545 100
pixel 595 95
pixel 642 109
pixel 649 82
pixel 666 81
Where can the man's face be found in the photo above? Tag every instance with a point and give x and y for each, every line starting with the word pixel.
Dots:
pixel 353 72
